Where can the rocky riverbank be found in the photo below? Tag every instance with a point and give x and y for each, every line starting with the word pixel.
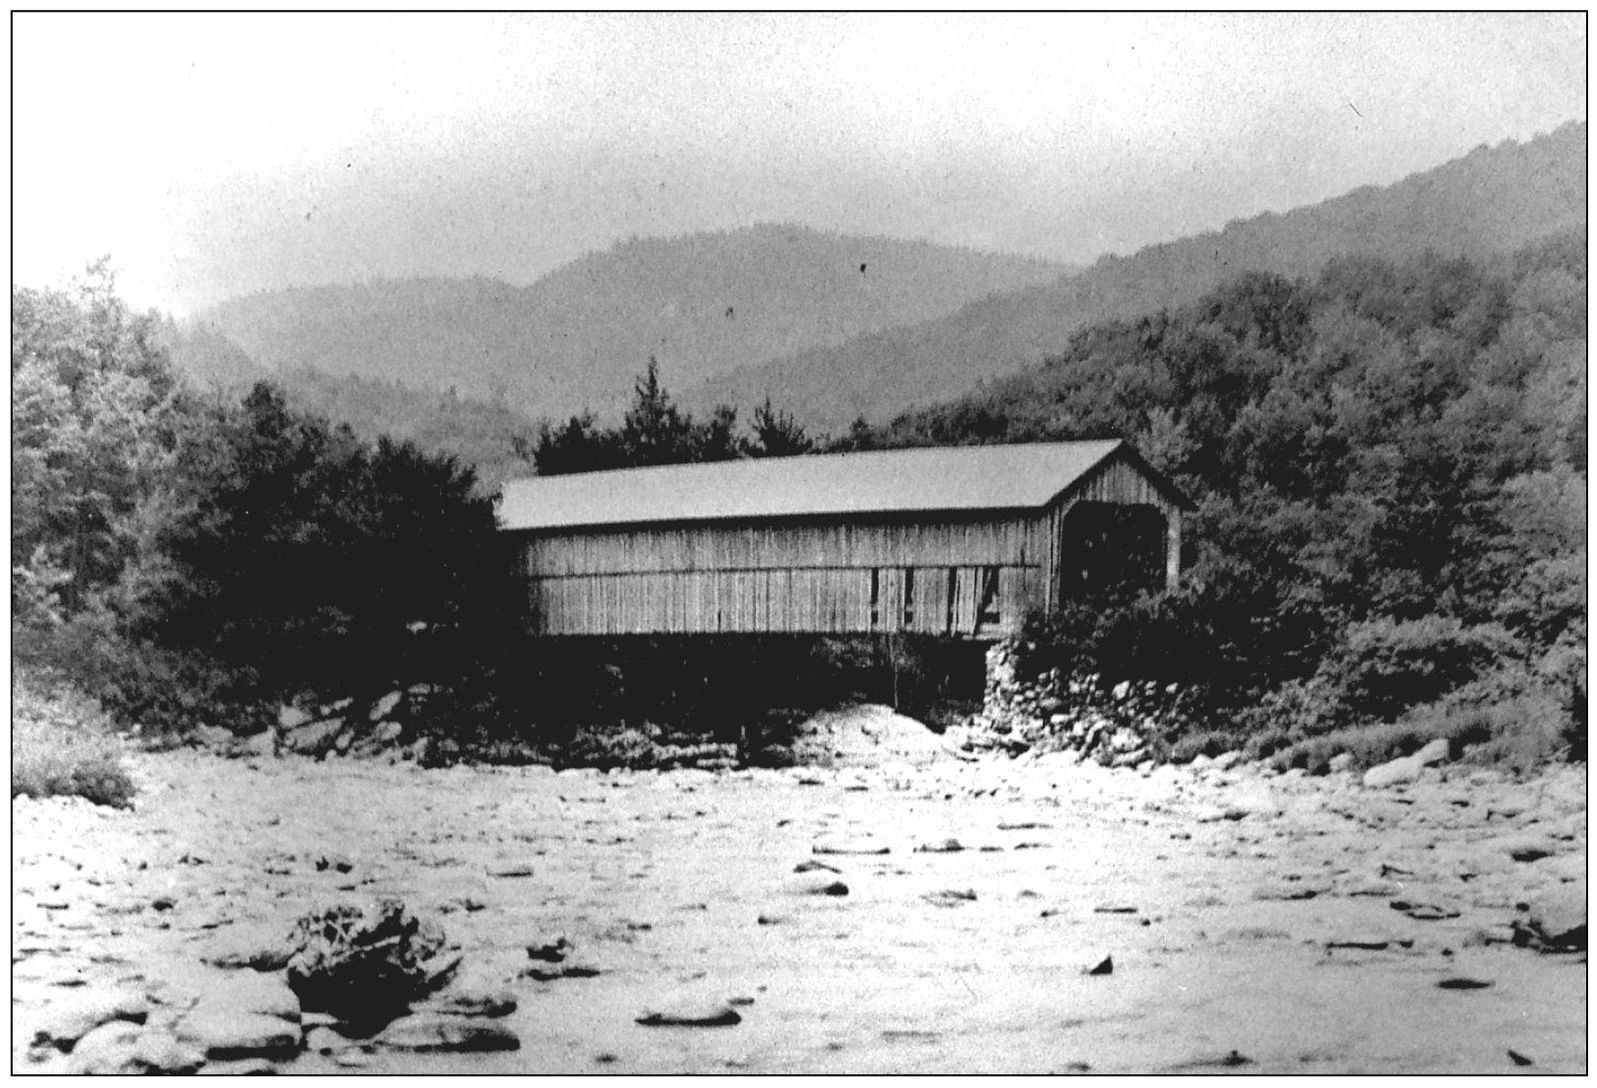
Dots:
pixel 899 914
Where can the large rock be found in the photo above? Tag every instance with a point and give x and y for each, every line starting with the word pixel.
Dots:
pixel 1439 750
pixel 262 946
pixel 1406 769
pixel 690 1011
pixel 313 737
pixel 365 964
pixel 431 1033
pixel 224 1033
pixel 120 1048
pixel 80 1015
pixel 1554 921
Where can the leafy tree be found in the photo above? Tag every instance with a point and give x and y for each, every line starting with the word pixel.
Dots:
pixel 777 434
pixel 96 415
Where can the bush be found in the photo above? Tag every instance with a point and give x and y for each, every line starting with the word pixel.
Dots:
pixel 1385 666
pixel 1509 717
pixel 61 746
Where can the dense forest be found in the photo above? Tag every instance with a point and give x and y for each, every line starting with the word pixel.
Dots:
pixel 192 560
pixel 1493 200
pixel 1388 461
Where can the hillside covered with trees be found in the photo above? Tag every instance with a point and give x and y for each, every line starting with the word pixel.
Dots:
pixel 1493 200
pixel 1389 463
pixel 700 304
pixel 1388 460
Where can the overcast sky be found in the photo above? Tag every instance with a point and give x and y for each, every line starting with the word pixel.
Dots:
pixel 216 154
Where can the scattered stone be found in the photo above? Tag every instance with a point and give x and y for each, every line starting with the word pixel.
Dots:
pixel 248 1067
pixel 76 1018
pixel 384 706
pixel 1424 912
pixel 1361 944
pixel 1405 769
pixel 816 885
pixel 1113 908
pixel 813 866
pixel 1437 751
pixel 690 1012
pixel 950 897
pixel 1526 848
pixel 1105 966
pixel 482 999
pixel 261 947
pixel 550 951
pixel 224 1033
pixel 1288 890
pixel 1463 983
pixel 322 1040
pixel 1370 887
pixel 1554 921
pixel 940 846
pixel 335 862
pixel 770 919
pixel 253 992
pixel 849 846
pixel 161 902
pixel 554 971
pixel 107 1050
pixel 1519 1059
pixel 430 1034
pixel 160 1052
pixel 512 871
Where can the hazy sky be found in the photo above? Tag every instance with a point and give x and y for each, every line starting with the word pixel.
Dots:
pixel 216 154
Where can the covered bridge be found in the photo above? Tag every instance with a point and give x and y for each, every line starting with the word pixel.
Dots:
pixel 955 541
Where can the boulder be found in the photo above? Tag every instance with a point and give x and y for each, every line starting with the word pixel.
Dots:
pixel 384 706
pixel 224 1033
pixel 1554 921
pixel 82 1014
pixel 1439 750
pixel 429 1033
pixel 816 885
pixel 364 964
pixel 1405 769
pixel 690 1011
pixel 313 737
pixel 107 1050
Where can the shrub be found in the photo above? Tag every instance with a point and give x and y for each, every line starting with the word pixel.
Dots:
pixel 1508 717
pixel 61 746
pixel 1385 666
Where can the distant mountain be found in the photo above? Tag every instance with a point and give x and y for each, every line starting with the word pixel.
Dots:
pixel 209 359
pixel 1492 200
pixel 701 304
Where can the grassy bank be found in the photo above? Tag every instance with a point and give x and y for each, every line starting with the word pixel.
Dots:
pixel 62 745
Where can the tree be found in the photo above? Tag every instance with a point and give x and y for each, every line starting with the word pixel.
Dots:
pixel 96 419
pixel 655 431
pixel 777 434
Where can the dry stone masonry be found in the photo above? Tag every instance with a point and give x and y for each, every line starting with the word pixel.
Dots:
pixel 1118 726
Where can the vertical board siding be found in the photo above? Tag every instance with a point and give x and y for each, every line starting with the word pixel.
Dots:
pixel 811 576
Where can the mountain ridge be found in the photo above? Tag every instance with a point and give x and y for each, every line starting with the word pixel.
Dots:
pixel 1491 200
pixel 700 303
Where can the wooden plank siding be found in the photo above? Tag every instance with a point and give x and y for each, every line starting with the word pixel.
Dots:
pixel 790 576
pixel 921 572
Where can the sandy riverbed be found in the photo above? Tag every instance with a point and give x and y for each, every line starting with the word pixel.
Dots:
pixel 1228 901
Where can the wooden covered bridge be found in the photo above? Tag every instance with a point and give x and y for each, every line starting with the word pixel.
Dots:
pixel 953 541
